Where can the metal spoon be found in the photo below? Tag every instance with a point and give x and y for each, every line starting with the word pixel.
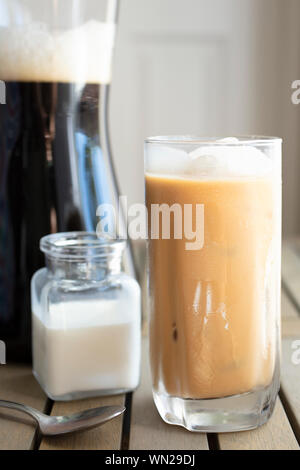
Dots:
pixel 54 425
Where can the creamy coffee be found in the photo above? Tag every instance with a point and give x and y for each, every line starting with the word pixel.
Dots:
pixel 211 328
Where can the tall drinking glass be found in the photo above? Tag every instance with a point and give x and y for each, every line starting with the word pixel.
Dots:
pixel 214 213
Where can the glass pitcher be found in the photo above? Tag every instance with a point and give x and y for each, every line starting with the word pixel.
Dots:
pixel 56 166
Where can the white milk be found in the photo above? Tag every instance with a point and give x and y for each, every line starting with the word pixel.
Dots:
pixel 87 346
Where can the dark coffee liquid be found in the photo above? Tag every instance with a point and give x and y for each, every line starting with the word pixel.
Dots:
pixel 53 176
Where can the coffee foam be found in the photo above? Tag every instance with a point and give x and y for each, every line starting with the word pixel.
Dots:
pixel 208 161
pixel 34 53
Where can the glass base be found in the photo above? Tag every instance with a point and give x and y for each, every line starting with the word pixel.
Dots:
pixel 78 395
pixel 233 413
pixel 90 394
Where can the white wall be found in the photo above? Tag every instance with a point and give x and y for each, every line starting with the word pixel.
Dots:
pixel 210 67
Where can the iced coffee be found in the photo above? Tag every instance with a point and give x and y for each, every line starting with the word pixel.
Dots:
pixel 214 304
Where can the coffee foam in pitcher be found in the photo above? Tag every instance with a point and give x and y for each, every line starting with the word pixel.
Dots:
pixel 34 53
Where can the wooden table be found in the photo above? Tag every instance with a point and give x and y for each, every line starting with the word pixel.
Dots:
pixel 141 427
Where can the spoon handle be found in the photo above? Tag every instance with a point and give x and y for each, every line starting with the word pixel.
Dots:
pixel 19 407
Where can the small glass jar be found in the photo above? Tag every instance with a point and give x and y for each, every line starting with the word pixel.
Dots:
pixel 86 318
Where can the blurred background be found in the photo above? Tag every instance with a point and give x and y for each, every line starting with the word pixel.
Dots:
pixel 206 67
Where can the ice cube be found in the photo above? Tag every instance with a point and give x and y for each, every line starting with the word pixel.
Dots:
pixel 240 160
pixel 166 160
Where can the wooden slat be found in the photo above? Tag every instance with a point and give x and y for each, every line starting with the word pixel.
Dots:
pixel 148 431
pixel 106 437
pixel 17 383
pixel 276 434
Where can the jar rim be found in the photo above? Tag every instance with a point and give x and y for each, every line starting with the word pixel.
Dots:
pixel 80 245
